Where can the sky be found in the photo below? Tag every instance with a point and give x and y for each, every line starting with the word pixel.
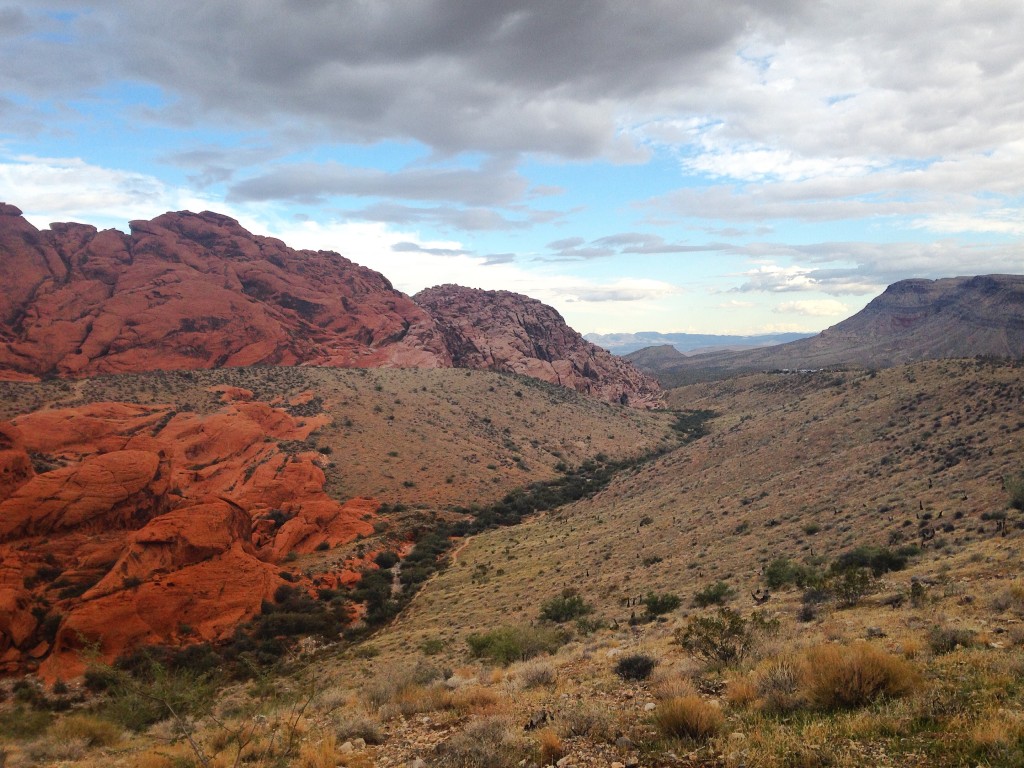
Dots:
pixel 701 166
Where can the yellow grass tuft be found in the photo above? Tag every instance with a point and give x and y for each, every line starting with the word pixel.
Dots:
pixel 838 676
pixel 688 717
pixel 551 749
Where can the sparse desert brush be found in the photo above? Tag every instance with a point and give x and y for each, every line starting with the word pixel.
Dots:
pixel 840 677
pixel 93 730
pixel 508 644
pixel 636 666
pixel 911 648
pixel 1010 597
pixel 359 725
pixel 587 720
pixel 387 688
pixel 567 606
pixel 551 747
pixel 778 684
pixel 491 742
pixel 725 637
pixel 537 673
pixel 998 729
pixel 319 753
pixel 740 692
pixel 946 639
pixel 671 685
pixel 688 717
pixel 477 700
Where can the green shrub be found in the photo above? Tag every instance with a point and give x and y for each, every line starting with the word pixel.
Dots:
pixel 714 594
pixel 850 585
pixel 505 645
pixel 879 560
pixel 658 605
pixel 943 639
pixel 565 607
pixel 725 637
pixel 1014 485
pixel 636 666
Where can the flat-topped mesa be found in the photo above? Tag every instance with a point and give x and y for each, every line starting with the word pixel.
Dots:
pixel 511 333
pixel 187 291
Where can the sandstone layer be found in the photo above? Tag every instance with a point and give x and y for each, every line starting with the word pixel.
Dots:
pixel 146 524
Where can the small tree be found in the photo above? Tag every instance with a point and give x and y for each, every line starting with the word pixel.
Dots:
pixel 726 637
pixel 658 605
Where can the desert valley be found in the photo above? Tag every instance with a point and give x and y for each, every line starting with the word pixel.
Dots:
pixel 258 508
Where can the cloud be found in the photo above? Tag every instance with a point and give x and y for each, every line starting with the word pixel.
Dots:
pixel 813 308
pixel 623 243
pixel 493 183
pixel 407 247
pixel 70 189
pixel 468 219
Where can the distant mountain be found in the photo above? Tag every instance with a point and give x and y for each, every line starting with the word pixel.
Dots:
pixel 509 332
pixel 624 343
pixel 911 320
pixel 197 291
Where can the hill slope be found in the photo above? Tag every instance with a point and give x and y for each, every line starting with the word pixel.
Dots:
pixel 165 508
pixel 911 320
pixel 504 331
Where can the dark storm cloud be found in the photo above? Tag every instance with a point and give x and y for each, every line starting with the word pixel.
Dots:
pixel 491 76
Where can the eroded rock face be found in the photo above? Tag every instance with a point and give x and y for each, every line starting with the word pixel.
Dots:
pixel 152 525
pixel 187 291
pixel 503 331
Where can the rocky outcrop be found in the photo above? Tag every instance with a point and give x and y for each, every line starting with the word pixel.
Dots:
pixel 508 332
pixel 911 320
pixel 188 291
pixel 150 525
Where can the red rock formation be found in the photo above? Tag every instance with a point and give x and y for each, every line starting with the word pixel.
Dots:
pixel 503 331
pixel 193 291
pixel 159 521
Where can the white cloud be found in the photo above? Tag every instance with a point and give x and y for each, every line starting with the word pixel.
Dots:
pixel 813 308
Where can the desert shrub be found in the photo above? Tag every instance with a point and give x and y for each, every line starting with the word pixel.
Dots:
pixel 778 685
pixel 358 725
pixel 714 594
pixel 783 572
pixel 567 606
pixel 551 748
pixel 944 639
pixel 431 646
pixel 508 644
pixel 688 717
pixel 658 605
pixel 537 673
pixel 879 560
pixel 842 677
pixel 93 731
pixel 725 637
pixel 400 684
pixel 1014 485
pixel 585 720
pixel 21 722
pixel 637 666
pixel 386 559
pixel 490 742
pixel 148 691
pixel 850 585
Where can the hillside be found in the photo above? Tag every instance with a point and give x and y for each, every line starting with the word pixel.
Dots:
pixel 504 331
pixel 135 505
pixel 911 320
pixel 797 474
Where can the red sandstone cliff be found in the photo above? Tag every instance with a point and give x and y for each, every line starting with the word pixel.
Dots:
pixel 193 291
pixel 503 331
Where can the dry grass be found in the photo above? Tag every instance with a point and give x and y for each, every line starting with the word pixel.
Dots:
pixel 551 747
pixel 94 731
pixel 319 753
pixel 487 743
pixel 688 717
pixel 837 676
